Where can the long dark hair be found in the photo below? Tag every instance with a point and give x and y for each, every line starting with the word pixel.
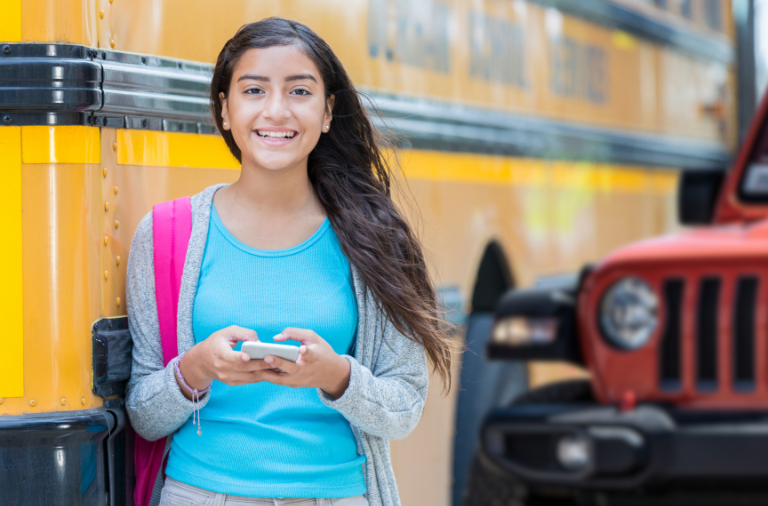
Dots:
pixel 352 178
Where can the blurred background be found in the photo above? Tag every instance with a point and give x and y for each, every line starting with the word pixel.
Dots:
pixel 537 144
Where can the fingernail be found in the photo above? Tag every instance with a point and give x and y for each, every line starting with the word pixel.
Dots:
pixel 269 360
pixel 278 336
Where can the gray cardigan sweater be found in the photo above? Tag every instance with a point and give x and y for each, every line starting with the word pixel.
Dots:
pixel 387 387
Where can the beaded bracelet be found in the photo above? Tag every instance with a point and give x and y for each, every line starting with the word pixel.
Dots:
pixel 195 393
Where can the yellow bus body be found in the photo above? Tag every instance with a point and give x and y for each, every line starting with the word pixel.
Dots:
pixel 74 194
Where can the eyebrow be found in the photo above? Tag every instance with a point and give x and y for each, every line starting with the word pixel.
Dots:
pixel 297 77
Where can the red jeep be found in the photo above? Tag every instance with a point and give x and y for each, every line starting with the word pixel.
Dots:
pixel 674 332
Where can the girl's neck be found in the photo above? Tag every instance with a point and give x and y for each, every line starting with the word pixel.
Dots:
pixel 284 192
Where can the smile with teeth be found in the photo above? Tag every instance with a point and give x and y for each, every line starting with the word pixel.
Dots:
pixel 278 135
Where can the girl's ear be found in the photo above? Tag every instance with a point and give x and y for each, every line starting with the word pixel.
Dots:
pixel 329 109
pixel 224 111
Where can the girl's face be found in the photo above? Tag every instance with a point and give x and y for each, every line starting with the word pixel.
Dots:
pixel 276 108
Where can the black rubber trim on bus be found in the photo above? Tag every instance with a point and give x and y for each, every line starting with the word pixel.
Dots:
pixel 66 84
pixel 112 355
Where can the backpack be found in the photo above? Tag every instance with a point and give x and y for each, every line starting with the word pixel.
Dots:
pixel 171 230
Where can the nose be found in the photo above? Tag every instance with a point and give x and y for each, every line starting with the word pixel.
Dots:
pixel 276 107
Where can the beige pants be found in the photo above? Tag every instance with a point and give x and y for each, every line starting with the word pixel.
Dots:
pixel 176 493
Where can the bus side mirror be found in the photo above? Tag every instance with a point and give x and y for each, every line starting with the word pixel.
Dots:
pixel 697 196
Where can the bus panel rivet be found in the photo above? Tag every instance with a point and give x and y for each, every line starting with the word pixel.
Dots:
pixel 7 49
pixel 118 302
pixel 106 206
pixel 7 119
pixel 117 261
pixel 106 240
pixel 32 403
pixel 101 14
pixel 106 274
pixel 114 146
pixel 1 400
pixel 112 43
pixel 115 190
pixel 83 401
pixel 117 223
pixel 63 401
pixel 104 172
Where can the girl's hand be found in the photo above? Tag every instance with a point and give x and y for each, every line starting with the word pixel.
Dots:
pixel 214 359
pixel 318 366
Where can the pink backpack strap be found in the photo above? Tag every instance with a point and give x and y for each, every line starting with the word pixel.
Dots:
pixel 171 230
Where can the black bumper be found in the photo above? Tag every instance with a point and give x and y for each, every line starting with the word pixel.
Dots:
pixel 69 459
pixel 648 447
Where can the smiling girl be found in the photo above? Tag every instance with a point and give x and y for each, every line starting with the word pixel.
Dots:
pixel 305 248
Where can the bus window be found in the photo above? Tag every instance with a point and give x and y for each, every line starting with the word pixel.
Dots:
pixel 685 8
pixel 712 14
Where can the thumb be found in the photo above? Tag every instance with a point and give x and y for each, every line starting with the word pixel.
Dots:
pixel 305 354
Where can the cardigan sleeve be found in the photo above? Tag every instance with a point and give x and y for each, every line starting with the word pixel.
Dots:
pixel 387 401
pixel 154 401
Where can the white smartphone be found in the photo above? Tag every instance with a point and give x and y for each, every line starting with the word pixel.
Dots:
pixel 259 350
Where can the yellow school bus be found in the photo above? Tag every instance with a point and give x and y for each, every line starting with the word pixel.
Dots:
pixel 533 137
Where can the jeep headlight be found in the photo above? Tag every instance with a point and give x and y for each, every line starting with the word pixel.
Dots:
pixel 628 313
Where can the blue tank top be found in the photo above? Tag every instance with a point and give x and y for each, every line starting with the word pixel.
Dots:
pixel 266 440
